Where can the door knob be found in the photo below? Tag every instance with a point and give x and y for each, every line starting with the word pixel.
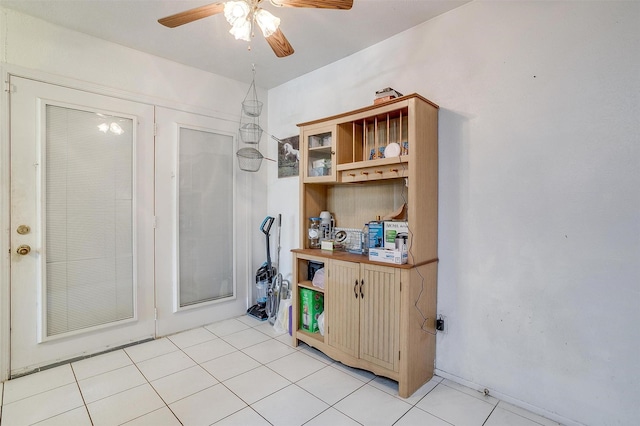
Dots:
pixel 23 250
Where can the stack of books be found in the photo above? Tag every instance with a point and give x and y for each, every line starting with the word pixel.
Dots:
pixel 385 95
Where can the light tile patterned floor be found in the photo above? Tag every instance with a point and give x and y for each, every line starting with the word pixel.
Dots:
pixel 237 372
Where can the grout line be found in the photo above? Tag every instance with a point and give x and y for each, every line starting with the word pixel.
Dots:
pixel 86 406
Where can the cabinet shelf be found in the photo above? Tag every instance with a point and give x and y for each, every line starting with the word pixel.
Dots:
pixel 310 286
pixel 402 161
pixel 315 336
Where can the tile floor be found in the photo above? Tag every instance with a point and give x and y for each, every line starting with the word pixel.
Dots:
pixel 237 372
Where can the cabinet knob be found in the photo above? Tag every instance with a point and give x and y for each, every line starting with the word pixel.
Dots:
pixel 394 170
pixel 352 174
pixel 379 172
pixel 364 173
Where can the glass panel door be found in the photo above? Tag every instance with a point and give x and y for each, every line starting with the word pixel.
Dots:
pixel 89 219
pixel 205 216
pixel 202 209
pixel 81 224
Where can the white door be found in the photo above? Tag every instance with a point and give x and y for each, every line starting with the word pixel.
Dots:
pixel 200 222
pixel 81 223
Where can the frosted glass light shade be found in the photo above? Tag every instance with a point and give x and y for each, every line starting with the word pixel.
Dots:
pixel 267 22
pixel 236 11
pixel 241 30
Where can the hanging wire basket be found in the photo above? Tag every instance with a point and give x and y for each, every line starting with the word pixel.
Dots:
pixel 249 159
pixel 250 133
pixel 252 107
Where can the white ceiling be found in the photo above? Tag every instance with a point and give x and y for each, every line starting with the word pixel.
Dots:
pixel 319 36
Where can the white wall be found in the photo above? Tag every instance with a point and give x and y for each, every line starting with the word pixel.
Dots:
pixel 33 48
pixel 539 205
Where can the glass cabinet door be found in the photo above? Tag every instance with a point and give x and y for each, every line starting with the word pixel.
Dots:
pixel 318 145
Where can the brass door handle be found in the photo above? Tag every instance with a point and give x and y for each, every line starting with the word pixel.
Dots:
pixel 23 250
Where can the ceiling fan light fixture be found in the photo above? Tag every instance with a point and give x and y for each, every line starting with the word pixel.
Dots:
pixel 236 11
pixel 241 30
pixel 267 22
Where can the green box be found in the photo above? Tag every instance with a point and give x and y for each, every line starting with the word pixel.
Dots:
pixel 311 306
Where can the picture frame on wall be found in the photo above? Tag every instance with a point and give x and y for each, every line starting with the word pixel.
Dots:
pixel 289 157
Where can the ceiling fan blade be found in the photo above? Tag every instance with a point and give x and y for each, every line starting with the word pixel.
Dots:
pixel 191 15
pixel 320 4
pixel 280 44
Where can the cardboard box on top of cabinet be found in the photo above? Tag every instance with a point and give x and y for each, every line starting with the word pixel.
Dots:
pixel 398 257
pixel 311 306
pixel 391 230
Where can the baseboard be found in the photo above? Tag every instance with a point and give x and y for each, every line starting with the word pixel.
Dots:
pixel 508 399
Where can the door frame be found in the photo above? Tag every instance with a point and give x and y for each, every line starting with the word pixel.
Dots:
pixel 7 70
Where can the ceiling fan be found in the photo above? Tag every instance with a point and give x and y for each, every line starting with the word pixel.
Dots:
pixel 242 14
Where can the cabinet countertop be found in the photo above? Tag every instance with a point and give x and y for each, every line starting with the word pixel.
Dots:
pixel 350 257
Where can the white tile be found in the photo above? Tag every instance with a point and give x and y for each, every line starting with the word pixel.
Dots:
pixel 296 366
pixel 42 406
pixel 76 417
pixel 269 350
pixel 363 375
pixel 245 338
pixel 287 340
pixel 192 337
pixel 36 383
pixel 164 365
pixel 183 383
pixel 110 383
pixel 226 327
pixel 145 351
pixel 267 328
pixel 289 406
pixel 206 351
pixel 320 356
pixel 331 417
pixel 249 321
pixel 526 413
pixel 100 364
pixel 231 365
pixel 391 387
pixel 256 384
pixel 455 406
pixel 125 406
pixel 160 417
pixel 416 416
pixel 501 417
pixel 471 392
pixel 330 384
pixel 369 405
pixel 207 407
pixel 244 417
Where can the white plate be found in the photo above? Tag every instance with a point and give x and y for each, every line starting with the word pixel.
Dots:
pixel 392 150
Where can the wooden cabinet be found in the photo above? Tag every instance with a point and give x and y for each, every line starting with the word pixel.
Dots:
pixel 363 302
pixel 378 317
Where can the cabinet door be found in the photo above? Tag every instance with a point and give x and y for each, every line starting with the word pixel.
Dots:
pixel 342 319
pixel 379 315
pixel 318 154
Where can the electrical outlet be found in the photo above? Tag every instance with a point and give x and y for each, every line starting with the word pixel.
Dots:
pixel 442 325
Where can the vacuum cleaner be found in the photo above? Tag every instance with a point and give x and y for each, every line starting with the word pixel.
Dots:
pixel 264 277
